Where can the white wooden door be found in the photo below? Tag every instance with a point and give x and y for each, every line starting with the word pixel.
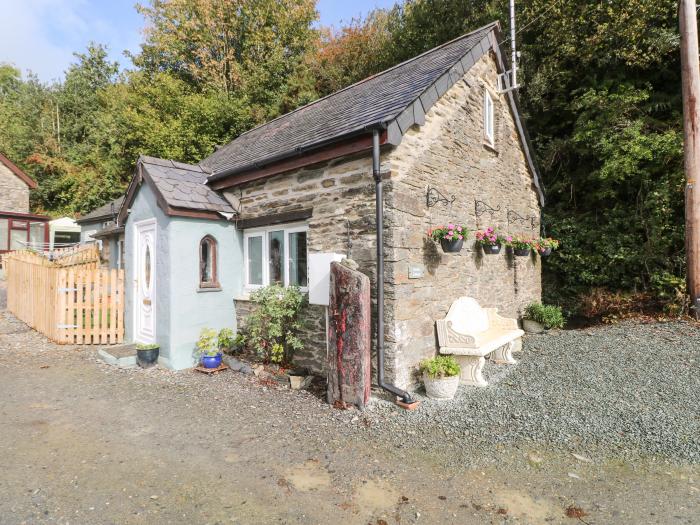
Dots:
pixel 145 282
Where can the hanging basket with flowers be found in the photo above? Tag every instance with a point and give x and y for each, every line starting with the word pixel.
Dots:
pixel 490 241
pixel 521 246
pixel 450 237
pixel 545 246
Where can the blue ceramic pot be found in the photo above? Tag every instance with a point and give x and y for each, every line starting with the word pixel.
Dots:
pixel 211 361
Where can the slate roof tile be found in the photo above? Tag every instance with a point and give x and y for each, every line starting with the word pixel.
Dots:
pixel 377 99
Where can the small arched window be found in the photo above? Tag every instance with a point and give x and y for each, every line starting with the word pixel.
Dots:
pixel 208 277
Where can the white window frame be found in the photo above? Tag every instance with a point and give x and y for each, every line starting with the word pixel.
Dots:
pixel 489 119
pixel 263 232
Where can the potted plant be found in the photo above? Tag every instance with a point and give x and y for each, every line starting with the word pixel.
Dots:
pixel 521 247
pixel 147 354
pixel 208 348
pixel 545 246
pixel 540 317
pixel 490 241
pixel 450 237
pixel 440 376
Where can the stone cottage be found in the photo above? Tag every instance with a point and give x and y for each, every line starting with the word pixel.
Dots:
pixel 442 140
pixel 18 227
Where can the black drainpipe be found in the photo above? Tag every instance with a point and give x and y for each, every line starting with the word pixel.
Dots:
pixel 379 214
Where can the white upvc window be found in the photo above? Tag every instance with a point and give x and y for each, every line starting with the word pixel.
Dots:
pixel 276 255
pixel 488 118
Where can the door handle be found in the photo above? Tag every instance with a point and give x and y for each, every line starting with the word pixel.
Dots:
pixel 147 302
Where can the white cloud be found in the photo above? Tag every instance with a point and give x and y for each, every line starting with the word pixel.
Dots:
pixel 42 35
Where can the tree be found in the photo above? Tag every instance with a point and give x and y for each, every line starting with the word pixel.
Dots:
pixel 244 48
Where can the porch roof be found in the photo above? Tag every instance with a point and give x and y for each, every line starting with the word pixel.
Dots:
pixel 179 188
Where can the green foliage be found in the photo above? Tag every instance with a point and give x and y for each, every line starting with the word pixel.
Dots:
pixel 225 340
pixel 207 343
pixel 519 243
pixel 548 315
pixel 440 366
pixel 275 324
pixel 150 346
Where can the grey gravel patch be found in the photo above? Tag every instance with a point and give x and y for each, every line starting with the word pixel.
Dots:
pixel 620 391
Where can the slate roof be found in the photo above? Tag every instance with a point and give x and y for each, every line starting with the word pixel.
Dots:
pixel 103 212
pixel 401 94
pixel 182 185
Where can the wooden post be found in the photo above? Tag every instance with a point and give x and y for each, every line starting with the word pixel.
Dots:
pixel 690 72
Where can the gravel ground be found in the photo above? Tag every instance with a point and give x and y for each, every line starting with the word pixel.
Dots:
pixel 623 391
pixel 85 443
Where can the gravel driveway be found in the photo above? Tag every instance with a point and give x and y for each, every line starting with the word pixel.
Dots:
pixel 624 391
pixel 85 443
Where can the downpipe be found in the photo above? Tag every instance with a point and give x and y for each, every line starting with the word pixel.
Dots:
pixel 379 216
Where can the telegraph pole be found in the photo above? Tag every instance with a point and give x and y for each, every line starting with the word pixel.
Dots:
pixel 690 73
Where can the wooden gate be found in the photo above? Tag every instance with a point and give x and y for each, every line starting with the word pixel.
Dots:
pixel 69 299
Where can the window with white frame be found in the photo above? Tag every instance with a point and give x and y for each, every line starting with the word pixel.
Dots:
pixel 488 118
pixel 276 255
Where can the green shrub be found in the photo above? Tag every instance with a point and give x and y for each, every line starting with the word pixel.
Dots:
pixel 225 339
pixel 546 314
pixel 440 366
pixel 274 325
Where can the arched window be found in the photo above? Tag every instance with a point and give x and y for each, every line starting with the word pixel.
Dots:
pixel 208 277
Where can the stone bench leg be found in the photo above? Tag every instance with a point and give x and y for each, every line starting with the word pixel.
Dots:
pixel 504 354
pixel 471 370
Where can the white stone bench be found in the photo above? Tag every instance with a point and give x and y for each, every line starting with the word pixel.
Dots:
pixel 470 332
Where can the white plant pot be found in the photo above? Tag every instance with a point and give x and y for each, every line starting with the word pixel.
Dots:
pixel 440 388
pixel 532 327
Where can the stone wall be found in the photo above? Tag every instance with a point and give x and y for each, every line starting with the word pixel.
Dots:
pixel 341 195
pixel 450 154
pixel 14 193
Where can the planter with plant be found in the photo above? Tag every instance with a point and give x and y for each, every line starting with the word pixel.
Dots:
pixel 521 247
pixel 440 376
pixel 545 246
pixel 490 241
pixel 147 354
pixel 450 237
pixel 208 348
pixel 540 317
pixel 275 324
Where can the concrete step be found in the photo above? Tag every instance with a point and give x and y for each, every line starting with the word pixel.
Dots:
pixel 123 356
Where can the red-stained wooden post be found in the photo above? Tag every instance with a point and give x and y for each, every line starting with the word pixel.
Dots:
pixel 349 337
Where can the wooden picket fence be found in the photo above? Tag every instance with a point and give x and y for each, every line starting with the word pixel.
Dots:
pixel 70 299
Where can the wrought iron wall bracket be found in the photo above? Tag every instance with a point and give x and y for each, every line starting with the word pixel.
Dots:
pixel 433 196
pixel 480 207
pixel 513 216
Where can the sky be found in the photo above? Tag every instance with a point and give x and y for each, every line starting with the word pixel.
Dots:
pixel 42 35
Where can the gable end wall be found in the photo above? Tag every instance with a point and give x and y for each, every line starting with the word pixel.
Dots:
pixel 448 153
pixel 14 193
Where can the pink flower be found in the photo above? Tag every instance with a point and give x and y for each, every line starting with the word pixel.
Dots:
pixel 448 237
pixel 460 237
pixel 450 226
pixel 509 238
